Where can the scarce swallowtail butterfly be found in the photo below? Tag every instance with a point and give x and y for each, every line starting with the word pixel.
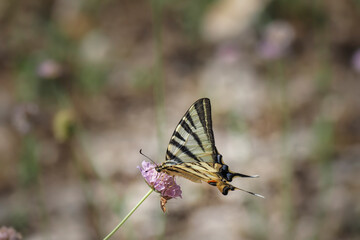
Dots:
pixel 192 153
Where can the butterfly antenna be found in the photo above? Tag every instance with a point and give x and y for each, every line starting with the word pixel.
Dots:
pixel 255 194
pixel 147 157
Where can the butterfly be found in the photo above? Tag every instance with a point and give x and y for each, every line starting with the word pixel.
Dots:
pixel 192 153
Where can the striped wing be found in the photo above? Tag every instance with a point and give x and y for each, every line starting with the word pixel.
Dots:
pixel 193 138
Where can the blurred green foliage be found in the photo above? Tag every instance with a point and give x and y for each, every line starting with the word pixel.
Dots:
pixel 309 13
pixel 30 168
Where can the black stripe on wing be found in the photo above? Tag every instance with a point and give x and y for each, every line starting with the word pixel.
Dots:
pixel 184 149
pixel 178 135
pixel 189 118
pixel 192 133
pixel 171 156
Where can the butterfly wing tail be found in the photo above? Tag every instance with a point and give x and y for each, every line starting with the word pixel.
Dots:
pixel 255 194
pixel 229 175
pixel 225 187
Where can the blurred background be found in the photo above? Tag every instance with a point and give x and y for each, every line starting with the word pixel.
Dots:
pixel 85 84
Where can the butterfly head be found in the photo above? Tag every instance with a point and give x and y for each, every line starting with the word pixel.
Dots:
pixel 158 168
pixel 161 168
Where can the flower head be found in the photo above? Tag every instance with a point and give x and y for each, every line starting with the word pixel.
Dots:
pixel 160 182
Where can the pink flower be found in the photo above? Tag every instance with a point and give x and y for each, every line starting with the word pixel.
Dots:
pixel 49 69
pixel 277 40
pixel 160 182
pixel 228 53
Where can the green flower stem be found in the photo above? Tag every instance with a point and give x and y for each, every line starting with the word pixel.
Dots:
pixel 129 214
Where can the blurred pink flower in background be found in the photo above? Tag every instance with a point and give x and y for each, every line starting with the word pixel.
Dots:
pixel 228 53
pixel 49 69
pixel 355 61
pixel 160 182
pixel 8 233
pixel 276 41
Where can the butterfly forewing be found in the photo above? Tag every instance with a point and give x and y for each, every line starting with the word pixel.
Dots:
pixel 193 138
